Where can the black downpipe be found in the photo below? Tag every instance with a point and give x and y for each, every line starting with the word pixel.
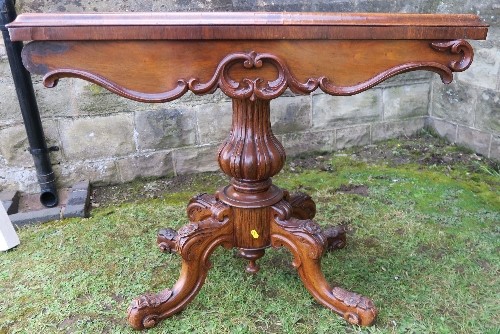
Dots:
pixel 29 109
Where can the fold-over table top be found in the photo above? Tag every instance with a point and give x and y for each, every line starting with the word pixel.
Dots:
pixel 237 25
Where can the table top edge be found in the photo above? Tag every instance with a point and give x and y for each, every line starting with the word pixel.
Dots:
pixel 245 19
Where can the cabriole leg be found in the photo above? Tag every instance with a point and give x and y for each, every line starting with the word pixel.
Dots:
pixel 307 243
pixel 194 242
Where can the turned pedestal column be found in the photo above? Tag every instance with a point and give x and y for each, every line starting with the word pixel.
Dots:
pixel 251 156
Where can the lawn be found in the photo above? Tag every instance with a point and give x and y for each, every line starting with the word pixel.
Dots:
pixel 423 242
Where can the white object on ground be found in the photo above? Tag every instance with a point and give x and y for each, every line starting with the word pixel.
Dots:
pixel 8 235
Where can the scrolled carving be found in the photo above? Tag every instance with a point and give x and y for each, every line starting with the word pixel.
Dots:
pixel 200 206
pixel 187 230
pixel 196 242
pixel 259 88
pixel 151 299
pixel 204 206
pixel 335 236
pixel 247 88
pixel 460 47
pixel 220 211
pixel 185 233
pixel 307 232
pixel 303 206
pixel 311 227
pixel 282 210
pixel 352 299
pixel 305 240
pixel 359 309
pixel 191 237
pixel 352 318
pixel 167 240
pixel 51 78
pixel 151 320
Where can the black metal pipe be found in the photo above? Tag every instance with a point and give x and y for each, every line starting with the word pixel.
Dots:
pixel 29 109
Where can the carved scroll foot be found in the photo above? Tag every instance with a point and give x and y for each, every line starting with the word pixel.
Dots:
pixel 167 240
pixel 307 242
pixel 194 242
pixel 335 237
pixel 303 206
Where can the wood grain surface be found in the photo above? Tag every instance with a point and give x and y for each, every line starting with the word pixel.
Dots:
pixel 200 26
pixel 159 71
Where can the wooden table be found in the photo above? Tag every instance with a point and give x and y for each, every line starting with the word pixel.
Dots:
pixel 252 58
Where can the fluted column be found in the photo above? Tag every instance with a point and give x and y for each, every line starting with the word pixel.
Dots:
pixel 251 155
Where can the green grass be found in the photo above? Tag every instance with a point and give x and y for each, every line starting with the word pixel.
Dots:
pixel 424 245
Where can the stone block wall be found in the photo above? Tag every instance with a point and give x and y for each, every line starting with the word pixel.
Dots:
pixel 467 112
pixel 108 139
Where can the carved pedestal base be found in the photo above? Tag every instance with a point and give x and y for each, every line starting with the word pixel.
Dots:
pixel 212 223
pixel 251 214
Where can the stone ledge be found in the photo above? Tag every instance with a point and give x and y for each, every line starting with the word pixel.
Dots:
pixel 74 211
pixel 339 111
pixel 145 165
pixel 403 102
pixel 97 137
pixel 455 102
pixel 164 128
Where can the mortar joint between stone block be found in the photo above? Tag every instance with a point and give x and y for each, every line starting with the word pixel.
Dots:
pixel 174 165
pixel 489 146
pixel 371 133
pixel 135 133
pixel 382 106
pixel 335 140
pixel 311 120
pixel 430 105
